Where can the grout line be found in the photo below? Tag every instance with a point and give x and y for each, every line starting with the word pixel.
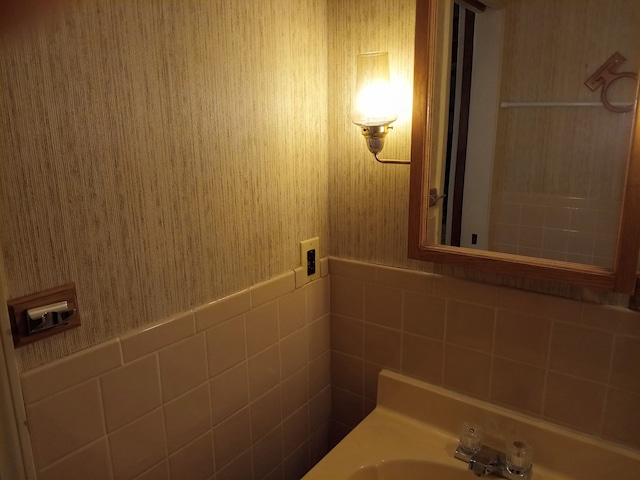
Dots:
pixel 280 379
pixel 162 404
pixel 608 389
pixel 402 332
pixel 493 350
pixel 444 340
pixel 547 369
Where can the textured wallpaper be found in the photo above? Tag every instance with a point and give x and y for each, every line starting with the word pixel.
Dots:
pixel 369 201
pixel 160 154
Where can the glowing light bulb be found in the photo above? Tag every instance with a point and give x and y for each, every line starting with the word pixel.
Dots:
pixel 374 103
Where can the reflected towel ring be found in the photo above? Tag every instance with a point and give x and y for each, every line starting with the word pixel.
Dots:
pixel 604 76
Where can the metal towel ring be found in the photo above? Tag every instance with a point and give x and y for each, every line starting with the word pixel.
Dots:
pixel 605 76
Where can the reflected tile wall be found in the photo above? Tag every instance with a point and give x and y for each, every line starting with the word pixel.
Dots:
pixel 238 388
pixel 558 228
pixel 571 363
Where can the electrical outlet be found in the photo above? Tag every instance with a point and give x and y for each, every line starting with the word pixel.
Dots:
pixel 310 258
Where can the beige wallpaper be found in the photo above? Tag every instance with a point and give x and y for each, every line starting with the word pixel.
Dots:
pixel 369 201
pixel 160 154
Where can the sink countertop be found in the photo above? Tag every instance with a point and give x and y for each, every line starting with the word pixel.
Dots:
pixel 385 434
pixel 417 421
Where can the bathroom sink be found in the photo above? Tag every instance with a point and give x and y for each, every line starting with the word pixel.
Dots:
pixel 410 470
pixel 413 432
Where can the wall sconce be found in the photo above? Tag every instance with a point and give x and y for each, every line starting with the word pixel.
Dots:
pixel 374 108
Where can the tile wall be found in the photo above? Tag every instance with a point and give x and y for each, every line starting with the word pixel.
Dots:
pixel 558 228
pixel 250 386
pixel 235 389
pixel 567 362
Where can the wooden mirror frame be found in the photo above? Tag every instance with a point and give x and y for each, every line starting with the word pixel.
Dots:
pixel 623 276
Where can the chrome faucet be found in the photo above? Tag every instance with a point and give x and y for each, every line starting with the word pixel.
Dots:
pixel 483 460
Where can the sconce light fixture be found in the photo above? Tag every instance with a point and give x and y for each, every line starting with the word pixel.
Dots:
pixel 374 108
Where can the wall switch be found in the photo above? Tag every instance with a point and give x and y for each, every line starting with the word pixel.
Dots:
pixel 310 258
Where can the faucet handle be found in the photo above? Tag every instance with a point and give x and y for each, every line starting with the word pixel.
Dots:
pixel 471 438
pixel 518 456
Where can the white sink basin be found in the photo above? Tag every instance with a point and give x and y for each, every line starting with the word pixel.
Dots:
pixel 409 469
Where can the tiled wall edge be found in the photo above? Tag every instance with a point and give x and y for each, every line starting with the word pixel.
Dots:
pixel 78 367
pixel 148 339
pixel 352 269
pixel 66 372
pixel 273 288
pixel 218 311
pixel 324 267
pixel 615 319
pixel 404 278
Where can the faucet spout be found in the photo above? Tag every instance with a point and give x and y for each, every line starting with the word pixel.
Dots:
pixel 478 469
pixel 485 461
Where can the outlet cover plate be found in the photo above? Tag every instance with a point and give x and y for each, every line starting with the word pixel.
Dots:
pixel 310 245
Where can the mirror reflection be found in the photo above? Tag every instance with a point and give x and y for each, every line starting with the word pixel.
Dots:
pixel 535 164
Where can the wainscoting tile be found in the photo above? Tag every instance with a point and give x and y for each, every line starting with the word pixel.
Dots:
pixel 187 417
pixel 91 462
pixel 194 461
pixel 266 413
pixel 138 446
pixel 574 402
pixel 183 365
pixel 65 422
pixel 318 298
pixel 130 391
pixel 229 392
pixel 226 345
pixel 232 437
pixel 262 327
pixel 292 312
pixel 157 472
pixel 61 374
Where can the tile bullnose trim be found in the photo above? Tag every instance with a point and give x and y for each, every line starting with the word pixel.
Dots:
pixel 151 338
pixel 324 267
pixel 405 278
pixel 66 372
pixel 352 269
pixel 273 288
pixel 222 309
pixel 612 318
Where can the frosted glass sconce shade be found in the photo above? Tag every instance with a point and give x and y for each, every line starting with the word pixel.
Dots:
pixel 373 104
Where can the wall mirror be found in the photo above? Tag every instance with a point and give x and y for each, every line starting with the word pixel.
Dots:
pixel 517 165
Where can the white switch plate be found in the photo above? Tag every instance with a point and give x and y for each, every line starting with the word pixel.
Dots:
pixel 305 247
